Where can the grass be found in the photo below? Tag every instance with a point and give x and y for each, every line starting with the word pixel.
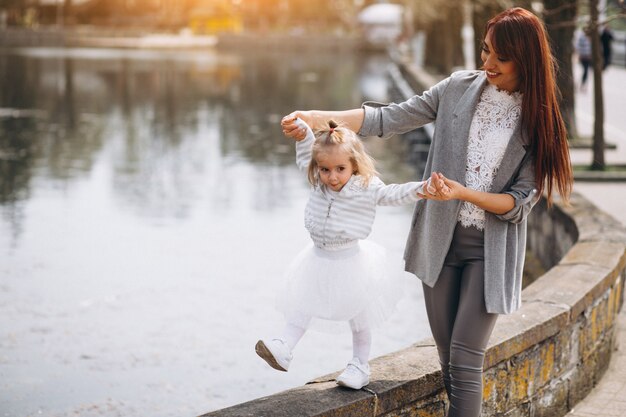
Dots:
pixel 607 168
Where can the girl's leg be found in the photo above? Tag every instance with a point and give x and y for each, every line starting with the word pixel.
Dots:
pixel 361 344
pixel 472 329
pixel 277 352
pixel 292 335
pixel 357 372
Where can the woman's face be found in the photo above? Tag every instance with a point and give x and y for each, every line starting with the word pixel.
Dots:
pixel 500 70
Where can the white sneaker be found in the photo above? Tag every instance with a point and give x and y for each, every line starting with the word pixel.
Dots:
pixel 275 352
pixel 355 376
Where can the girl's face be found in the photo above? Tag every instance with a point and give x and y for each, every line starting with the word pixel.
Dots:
pixel 501 71
pixel 335 167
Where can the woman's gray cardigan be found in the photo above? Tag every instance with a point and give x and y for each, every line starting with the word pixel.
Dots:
pixel 451 104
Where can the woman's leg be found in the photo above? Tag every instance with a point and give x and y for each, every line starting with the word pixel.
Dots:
pixel 472 329
pixel 441 307
pixel 459 321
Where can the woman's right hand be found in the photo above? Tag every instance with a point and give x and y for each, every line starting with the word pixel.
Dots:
pixel 291 128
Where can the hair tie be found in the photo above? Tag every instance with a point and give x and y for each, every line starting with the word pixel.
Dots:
pixel 332 129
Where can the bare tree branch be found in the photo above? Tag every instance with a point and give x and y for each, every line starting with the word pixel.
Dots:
pixel 556 10
pixel 567 24
pixel 611 18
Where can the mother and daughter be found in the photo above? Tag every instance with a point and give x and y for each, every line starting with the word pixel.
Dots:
pixel 499 144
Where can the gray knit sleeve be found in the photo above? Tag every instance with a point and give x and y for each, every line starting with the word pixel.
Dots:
pixel 386 120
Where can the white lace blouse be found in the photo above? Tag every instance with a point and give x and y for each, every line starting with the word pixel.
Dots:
pixel 496 117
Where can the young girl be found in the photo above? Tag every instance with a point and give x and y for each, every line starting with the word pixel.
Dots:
pixel 341 277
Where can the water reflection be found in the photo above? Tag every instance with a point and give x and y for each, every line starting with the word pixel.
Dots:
pixel 148 206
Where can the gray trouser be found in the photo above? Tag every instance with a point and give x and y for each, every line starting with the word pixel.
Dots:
pixel 459 321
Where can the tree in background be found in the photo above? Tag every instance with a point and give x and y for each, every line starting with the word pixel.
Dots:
pixel 597 162
pixel 441 22
pixel 594 26
pixel 444 42
pixel 482 11
pixel 560 17
pixel 15 10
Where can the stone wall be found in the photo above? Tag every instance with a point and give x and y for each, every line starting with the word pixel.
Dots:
pixel 541 360
pixel 566 326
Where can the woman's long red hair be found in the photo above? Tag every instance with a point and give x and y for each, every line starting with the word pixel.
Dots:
pixel 520 36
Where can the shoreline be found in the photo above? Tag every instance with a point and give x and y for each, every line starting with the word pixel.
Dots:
pixel 135 38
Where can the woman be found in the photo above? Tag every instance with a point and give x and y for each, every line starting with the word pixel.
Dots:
pixel 501 142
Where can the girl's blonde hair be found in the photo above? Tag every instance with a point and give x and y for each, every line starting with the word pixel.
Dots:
pixel 347 141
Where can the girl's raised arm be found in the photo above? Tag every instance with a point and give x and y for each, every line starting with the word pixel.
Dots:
pixel 304 145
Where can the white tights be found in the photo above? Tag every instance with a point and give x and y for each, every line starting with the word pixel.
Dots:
pixel 361 340
pixel 361 343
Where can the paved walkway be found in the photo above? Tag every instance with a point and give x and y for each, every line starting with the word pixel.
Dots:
pixel 608 398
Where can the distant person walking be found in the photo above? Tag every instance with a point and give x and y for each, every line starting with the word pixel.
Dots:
pixel 583 49
pixel 606 38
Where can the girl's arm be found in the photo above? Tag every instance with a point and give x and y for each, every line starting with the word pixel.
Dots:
pixel 396 194
pixel 304 146
pixel 410 192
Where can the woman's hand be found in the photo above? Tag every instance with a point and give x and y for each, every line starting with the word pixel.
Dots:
pixel 318 119
pixel 446 189
pixel 291 128
pixel 440 188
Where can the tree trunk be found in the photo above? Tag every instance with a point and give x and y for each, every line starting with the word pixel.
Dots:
pixel 482 12
pixel 68 13
pixel 444 41
pixel 598 99
pixel 456 20
pixel 560 18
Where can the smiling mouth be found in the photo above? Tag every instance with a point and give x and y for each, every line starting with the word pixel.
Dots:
pixel 492 74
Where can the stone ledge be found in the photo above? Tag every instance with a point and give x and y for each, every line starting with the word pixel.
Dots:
pixel 600 176
pixel 592 224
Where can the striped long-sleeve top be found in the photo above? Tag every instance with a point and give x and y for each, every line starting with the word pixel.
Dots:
pixel 336 220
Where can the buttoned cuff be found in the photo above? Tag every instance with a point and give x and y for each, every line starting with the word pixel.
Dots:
pixel 373 120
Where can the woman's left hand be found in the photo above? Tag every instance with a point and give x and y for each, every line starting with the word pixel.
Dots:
pixel 293 130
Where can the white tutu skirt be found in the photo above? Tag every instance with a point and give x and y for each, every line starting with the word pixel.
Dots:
pixel 326 290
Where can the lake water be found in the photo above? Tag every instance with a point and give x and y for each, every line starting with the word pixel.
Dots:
pixel 148 206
